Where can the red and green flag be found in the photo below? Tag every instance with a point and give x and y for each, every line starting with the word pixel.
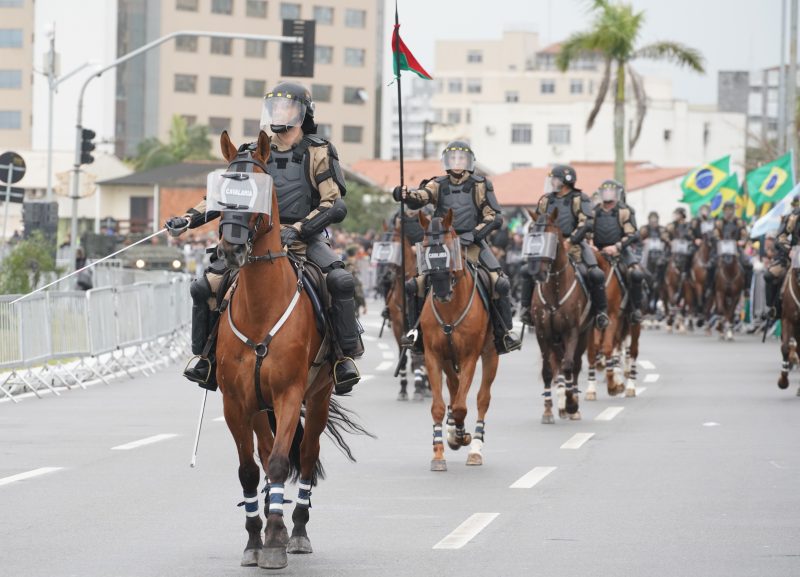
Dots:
pixel 403 59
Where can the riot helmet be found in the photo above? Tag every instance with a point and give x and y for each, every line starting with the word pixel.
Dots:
pixel 458 157
pixel 559 176
pixel 703 211
pixel 611 191
pixel 288 105
pixel 728 209
pixel 679 214
pixel 652 218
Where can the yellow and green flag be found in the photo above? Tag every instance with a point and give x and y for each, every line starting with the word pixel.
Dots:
pixel 771 182
pixel 700 184
pixel 729 190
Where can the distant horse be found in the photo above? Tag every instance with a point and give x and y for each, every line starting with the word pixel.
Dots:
pixel 680 296
pixel 654 262
pixel 560 312
pixel 790 320
pixel 698 280
pixel 728 286
pixel 456 332
pixel 271 362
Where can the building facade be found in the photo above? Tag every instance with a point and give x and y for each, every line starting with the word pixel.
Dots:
pixel 417 120
pixel 16 74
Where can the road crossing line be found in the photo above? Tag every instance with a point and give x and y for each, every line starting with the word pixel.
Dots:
pixel 651 377
pixel 609 414
pixel 385 366
pixel 532 477
pixel 28 475
pixel 465 532
pixel 646 365
pixel 369 338
pixel 145 441
pixel 640 391
pixel 220 419
pixel 577 440
pixel 383 346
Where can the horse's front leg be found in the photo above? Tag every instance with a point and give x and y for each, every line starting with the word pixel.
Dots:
pixel 788 346
pixel 633 355
pixel 549 364
pixel 612 360
pixel 489 363
pixel 438 462
pixel 569 371
pixel 457 437
pixel 591 358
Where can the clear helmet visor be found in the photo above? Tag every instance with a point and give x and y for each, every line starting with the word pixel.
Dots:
pixel 282 111
pixel 652 221
pixel 458 160
pixel 552 184
pixel 608 194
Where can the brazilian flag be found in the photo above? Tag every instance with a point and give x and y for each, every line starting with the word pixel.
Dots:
pixel 729 190
pixel 700 184
pixel 771 182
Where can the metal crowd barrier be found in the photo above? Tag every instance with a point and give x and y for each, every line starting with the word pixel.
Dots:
pixel 60 339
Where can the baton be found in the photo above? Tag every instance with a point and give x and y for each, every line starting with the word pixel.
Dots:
pixel 199 426
pixel 383 324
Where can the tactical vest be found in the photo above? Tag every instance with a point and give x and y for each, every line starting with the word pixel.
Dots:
pixel 680 230
pixel 730 229
pixel 652 231
pixel 567 220
pixel 296 197
pixel 607 228
pixel 461 199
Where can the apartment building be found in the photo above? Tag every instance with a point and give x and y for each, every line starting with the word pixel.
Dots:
pixel 16 74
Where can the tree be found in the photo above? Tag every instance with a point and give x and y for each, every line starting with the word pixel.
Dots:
pixel 613 35
pixel 23 268
pixel 367 208
pixel 185 143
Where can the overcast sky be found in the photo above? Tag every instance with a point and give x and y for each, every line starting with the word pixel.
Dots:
pixel 731 34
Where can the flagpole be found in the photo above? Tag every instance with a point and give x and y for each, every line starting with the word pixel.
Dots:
pixel 396 48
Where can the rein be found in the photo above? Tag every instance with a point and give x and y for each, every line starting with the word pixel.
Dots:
pixel 449 328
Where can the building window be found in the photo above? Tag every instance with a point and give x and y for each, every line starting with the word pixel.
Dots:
pixel 323 15
pixel 512 96
pixel 10 37
pixel 473 85
pixel 186 44
pixel 454 116
pixel 186 83
pixel 221 46
pixel 455 85
pixel 323 54
pixel 222 6
pixel 475 56
pixel 576 86
pixel 558 134
pixel 255 88
pixel 324 131
pixel 185 5
pixel 218 124
pixel 220 86
pixel 353 95
pixel 257 9
pixel 255 48
pixel 321 92
pixel 355 18
pixel 189 119
pixel 352 133
pixel 547 87
pixel 10 78
pixel 290 11
pixel 10 119
pixel 521 133
pixel 251 126
pixel 354 56
pixel 518 165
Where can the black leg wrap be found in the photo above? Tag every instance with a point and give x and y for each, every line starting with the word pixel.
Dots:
pixel 505 341
pixel 200 326
pixel 597 287
pixel 343 312
pixel 525 295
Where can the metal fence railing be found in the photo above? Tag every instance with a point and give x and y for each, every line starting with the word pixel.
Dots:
pixel 60 339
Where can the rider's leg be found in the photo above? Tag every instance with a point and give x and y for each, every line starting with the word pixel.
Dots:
pixel 596 281
pixel 773 278
pixel 202 290
pixel 747 267
pixel 415 299
pixel 636 278
pixel 505 340
pixel 525 294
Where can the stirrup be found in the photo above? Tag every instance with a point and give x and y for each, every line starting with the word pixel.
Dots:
pixel 511 342
pixel 407 340
pixel 189 374
pixel 343 387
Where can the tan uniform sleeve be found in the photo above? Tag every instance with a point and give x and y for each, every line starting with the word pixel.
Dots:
pixel 488 214
pixel 428 194
pixel 541 207
pixel 328 189
pixel 199 208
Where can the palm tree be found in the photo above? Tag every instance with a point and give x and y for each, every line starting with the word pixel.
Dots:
pixel 613 36
pixel 185 143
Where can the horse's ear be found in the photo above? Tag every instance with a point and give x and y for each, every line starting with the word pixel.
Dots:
pixel 553 216
pixel 227 147
pixel 448 219
pixel 262 146
pixel 423 220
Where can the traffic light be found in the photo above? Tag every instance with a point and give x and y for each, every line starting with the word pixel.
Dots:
pixel 87 146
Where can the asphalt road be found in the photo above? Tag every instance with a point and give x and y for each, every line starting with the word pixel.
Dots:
pixel 696 476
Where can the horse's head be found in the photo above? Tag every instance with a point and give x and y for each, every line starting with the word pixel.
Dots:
pixel 439 254
pixel 243 221
pixel 542 245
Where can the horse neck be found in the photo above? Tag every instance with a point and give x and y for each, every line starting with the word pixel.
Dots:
pixel 561 277
pixel 410 259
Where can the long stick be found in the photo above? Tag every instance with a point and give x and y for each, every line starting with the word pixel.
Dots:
pixel 98 261
pixel 199 427
pixel 402 173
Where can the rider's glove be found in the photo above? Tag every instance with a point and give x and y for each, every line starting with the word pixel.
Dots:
pixel 289 236
pixel 177 225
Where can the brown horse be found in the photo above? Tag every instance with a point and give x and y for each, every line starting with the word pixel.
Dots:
pixel 272 361
pixel 680 296
pixel 455 333
pixel 728 286
pixel 698 280
pixel 560 312
pixel 790 324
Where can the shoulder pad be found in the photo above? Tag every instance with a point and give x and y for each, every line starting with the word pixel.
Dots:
pixel 624 214
pixel 424 181
pixel 314 140
pixel 478 177
pixel 440 179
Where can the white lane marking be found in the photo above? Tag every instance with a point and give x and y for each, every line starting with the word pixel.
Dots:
pixel 384 366
pixel 711 424
pixel 532 477
pixel 365 378
pixel 373 324
pixel 369 338
pixel 651 377
pixel 388 355
pixel 220 419
pixel 28 475
pixel 142 442
pixel 465 532
pixel 640 391
pixel 647 365
pixel 577 440
pixel 609 413
pixel 383 346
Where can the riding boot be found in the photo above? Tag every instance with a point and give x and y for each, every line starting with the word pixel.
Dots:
pixel 748 279
pixel 346 329
pixel 413 310
pixel 636 302
pixel 505 340
pixel 597 288
pixel 526 295
pixel 708 287
pixel 771 290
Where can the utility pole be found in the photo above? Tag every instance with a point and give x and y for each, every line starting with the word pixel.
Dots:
pixel 782 85
pixel 791 93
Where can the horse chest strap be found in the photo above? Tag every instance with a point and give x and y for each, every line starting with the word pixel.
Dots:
pixel 448 329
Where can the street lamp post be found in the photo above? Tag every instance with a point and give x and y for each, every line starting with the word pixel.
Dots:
pixel 76 168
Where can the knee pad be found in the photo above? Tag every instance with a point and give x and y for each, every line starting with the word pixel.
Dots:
pixel 502 286
pixel 341 283
pixel 200 290
pixel 596 276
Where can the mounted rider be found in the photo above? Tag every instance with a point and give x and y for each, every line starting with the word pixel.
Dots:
pixel 576 220
pixel 731 227
pixel 309 184
pixel 703 226
pixel 614 233
pixel 788 237
pixel 476 213
pixel 680 229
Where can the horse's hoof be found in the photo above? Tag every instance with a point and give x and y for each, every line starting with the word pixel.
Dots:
pixel 250 557
pixel 590 396
pixel 419 396
pixel 467 440
pixel 402 396
pixel 273 558
pixel 453 446
pixel 438 465
pixel 562 413
pixel 548 419
pixel 474 459
pixel 630 392
pixel 299 545
pixel 576 416
pixel 783 382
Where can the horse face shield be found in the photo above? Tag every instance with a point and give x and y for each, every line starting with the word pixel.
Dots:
pixel 438 256
pixel 540 248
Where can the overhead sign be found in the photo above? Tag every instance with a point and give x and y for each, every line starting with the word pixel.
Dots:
pixel 15 194
pixel 12 167
pixel 298 59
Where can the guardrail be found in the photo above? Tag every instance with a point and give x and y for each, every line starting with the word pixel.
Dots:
pixel 57 340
